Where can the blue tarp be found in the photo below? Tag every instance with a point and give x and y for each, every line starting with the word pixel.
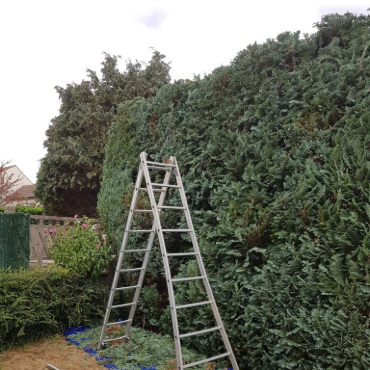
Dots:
pixel 91 351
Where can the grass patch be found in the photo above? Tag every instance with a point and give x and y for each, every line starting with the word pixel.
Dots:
pixel 144 349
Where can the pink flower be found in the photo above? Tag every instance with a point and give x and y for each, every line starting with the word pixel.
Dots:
pixel 51 231
pixel 75 216
pixel 83 225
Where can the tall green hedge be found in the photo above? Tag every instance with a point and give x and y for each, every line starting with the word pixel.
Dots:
pixel 37 303
pixel 14 240
pixel 274 152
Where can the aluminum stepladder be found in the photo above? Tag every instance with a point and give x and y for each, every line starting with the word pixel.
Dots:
pixel 171 168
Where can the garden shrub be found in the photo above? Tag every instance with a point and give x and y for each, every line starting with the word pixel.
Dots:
pixel 274 152
pixel 30 210
pixel 37 303
pixel 79 248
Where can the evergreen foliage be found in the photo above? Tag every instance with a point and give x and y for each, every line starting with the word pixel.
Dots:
pixel 41 302
pixel 274 152
pixel 69 177
pixel 145 350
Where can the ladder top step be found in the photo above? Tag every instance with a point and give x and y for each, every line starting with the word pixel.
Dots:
pixel 193 304
pixel 182 254
pixel 118 322
pixel 159 168
pixel 200 332
pixel 127 287
pixel 176 230
pixel 171 207
pixel 136 250
pixel 166 185
pixel 133 269
pixel 141 231
pixel 207 360
pixel 160 164
pixel 112 339
pixel 187 279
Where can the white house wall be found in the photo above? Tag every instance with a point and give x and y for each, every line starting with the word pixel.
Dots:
pixel 17 173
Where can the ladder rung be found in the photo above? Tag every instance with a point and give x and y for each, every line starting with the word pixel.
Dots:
pixel 181 254
pixel 124 305
pixel 136 250
pixel 166 185
pixel 118 322
pixel 141 231
pixel 127 287
pixel 160 164
pixel 193 304
pixel 170 207
pixel 154 190
pixel 188 279
pixel 134 269
pixel 207 360
pixel 112 339
pixel 199 332
pixel 143 210
pixel 158 168
pixel 176 230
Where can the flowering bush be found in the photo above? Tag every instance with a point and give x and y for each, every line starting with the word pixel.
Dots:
pixel 79 248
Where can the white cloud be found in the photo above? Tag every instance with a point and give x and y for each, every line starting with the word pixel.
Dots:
pixel 153 19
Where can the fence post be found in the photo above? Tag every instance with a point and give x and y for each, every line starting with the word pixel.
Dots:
pixel 9 209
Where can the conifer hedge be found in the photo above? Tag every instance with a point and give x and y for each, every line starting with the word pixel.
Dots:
pixel 274 152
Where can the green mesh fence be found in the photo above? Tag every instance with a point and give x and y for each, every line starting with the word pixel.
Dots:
pixel 14 240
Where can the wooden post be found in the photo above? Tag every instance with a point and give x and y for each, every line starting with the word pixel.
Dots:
pixel 9 209
pixel 39 240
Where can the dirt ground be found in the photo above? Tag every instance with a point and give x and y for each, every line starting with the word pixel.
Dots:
pixel 54 351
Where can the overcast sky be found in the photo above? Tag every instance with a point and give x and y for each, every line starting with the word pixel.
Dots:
pixel 44 44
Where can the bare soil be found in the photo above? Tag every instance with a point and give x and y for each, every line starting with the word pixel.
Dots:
pixel 54 351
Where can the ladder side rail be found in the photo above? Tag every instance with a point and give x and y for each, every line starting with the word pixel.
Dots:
pixel 121 254
pixel 166 265
pixel 202 269
pixel 140 283
pixel 161 200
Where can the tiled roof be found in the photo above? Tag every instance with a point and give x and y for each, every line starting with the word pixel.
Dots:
pixel 24 192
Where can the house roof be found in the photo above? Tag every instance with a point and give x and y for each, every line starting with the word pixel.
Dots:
pixel 24 192
pixel 6 168
pixel 14 165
